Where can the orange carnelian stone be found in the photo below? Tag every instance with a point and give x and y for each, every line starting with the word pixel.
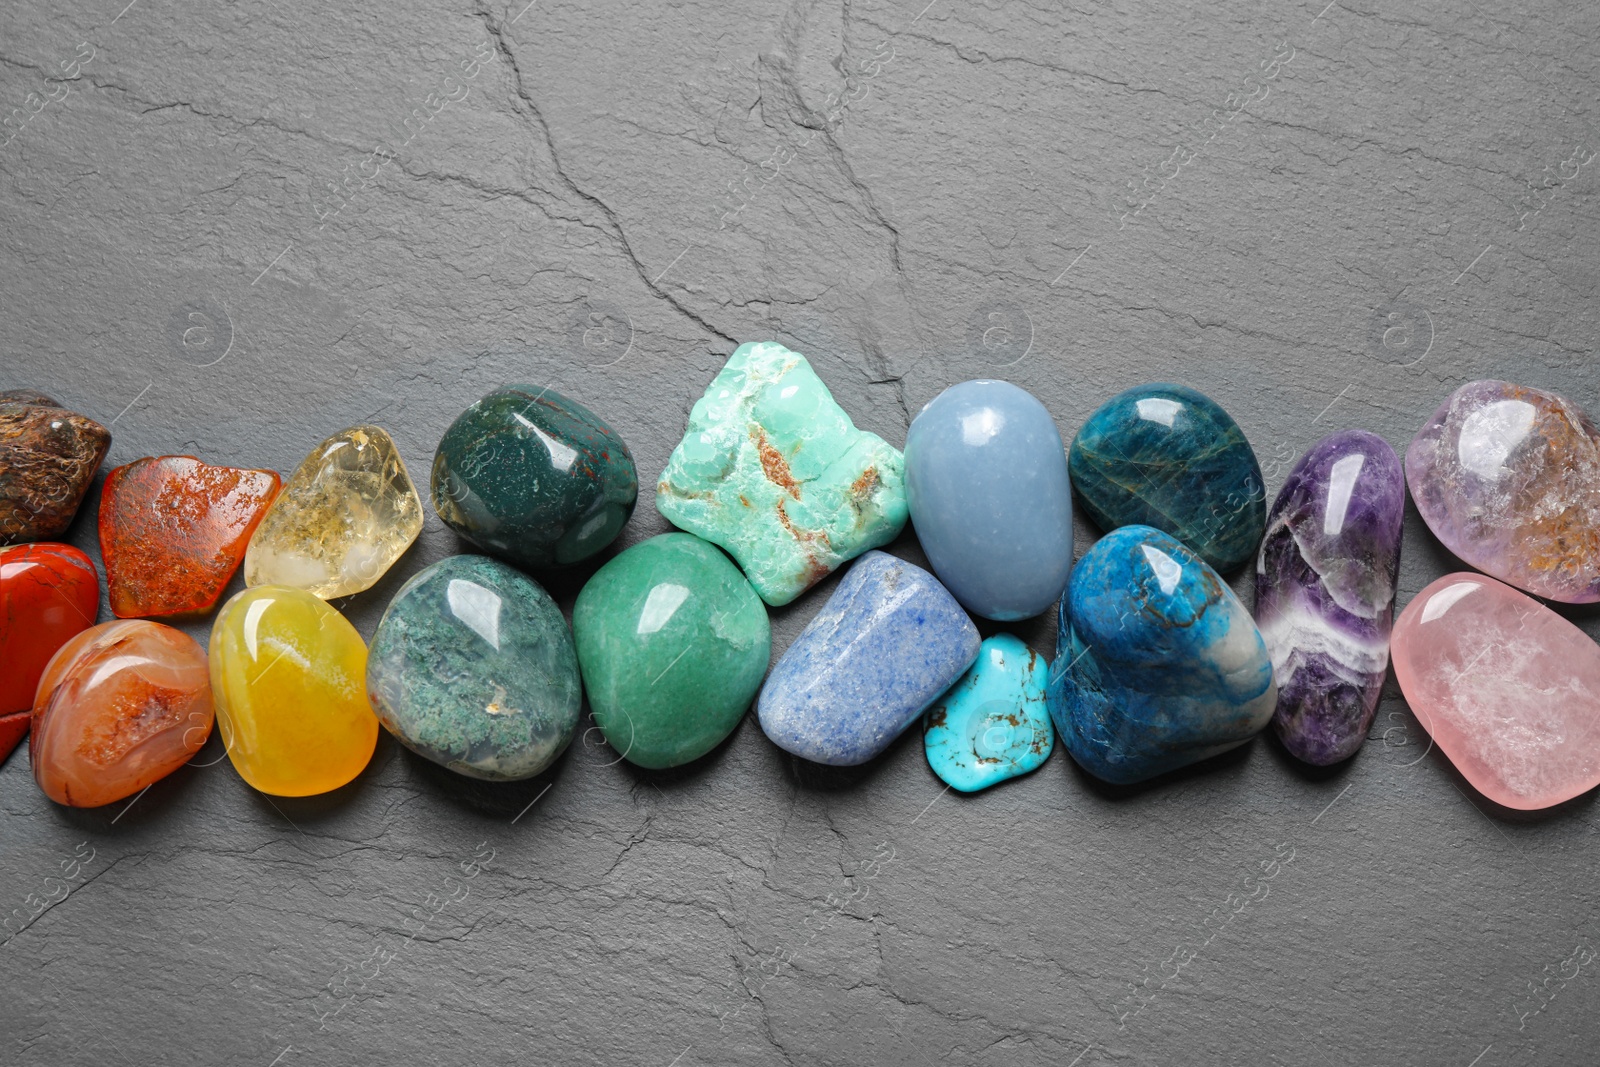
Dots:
pixel 173 530
pixel 120 706
pixel 48 593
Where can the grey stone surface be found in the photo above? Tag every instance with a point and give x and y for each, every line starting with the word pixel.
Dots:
pixel 234 228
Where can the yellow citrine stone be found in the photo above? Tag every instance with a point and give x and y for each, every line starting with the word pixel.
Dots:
pixel 342 519
pixel 289 680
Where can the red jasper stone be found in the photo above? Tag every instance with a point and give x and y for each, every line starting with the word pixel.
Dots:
pixel 49 593
pixel 173 530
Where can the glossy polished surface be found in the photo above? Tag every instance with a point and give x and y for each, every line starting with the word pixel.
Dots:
pixel 289 677
pixel 774 471
pixel 987 489
pixel 48 460
pixel 1325 585
pixel 1508 478
pixel 1168 456
pixel 49 593
pixel 1157 662
pixel 1509 689
pixel 993 723
pixel 882 649
pixel 121 706
pixel 344 517
pixel 173 530
pixel 473 668
pixel 673 642
pixel 533 477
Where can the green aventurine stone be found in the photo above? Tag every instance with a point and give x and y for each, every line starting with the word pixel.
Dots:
pixel 672 643
pixel 775 472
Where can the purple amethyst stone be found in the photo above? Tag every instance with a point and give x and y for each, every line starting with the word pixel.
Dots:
pixel 1325 584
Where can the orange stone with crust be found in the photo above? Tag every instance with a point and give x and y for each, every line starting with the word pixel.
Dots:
pixel 122 705
pixel 173 531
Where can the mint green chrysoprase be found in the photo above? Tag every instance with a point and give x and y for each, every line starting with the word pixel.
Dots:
pixel 774 471
pixel 672 643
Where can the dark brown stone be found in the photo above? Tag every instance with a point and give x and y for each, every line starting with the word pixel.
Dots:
pixel 48 457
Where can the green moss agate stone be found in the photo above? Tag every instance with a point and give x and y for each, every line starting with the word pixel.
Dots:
pixel 775 472
pixel 534 478
pixel 473 667
pixel 673 643
pixel 1168 456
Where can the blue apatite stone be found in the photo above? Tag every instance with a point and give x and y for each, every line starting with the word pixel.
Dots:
pixel 992 724
pixel 1170 457
pixel 1157 663
pixel 986 482
pixel 883 647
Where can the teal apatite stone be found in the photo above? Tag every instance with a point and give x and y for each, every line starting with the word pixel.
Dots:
pixel 1169 457
pixel 534 478
pixel 473 667
pixel 993 723
pixel 1157 662
pixel 774 471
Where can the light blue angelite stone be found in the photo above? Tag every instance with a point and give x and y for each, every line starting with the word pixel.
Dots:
pixel 987 486
pixel 992 724
pixel 883 647
pixel 1157 662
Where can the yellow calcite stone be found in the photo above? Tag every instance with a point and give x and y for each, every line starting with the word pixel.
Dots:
pixel 289 679
pixel 342 520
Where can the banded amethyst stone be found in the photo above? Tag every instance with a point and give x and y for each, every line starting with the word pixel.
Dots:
pixel 1325 584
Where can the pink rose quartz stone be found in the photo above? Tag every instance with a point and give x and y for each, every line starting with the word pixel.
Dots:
pixel 1509 689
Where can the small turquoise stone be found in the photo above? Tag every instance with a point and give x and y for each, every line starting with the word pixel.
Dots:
pixel 473 667
pixel 1157 662
pixel 1170 457
pixel 883 648
pixel 534 478
pixel 992 724
pixel 987 486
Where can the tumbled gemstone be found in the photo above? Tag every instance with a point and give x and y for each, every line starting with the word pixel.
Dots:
pixel 289 677
pixel 343 518
pixel 49 593
pixel 774 471
pixel 534 478
pixel 987 488
pixel 1157 662
pixel 173 530
pixel 473 668
pixel 1325 584
pixel 121 706
pixel 673 643
pixel 1509 689
pixel 882 649
pixel 1168 456
pixel 48 459
pixel 1508 478
pixel 993 723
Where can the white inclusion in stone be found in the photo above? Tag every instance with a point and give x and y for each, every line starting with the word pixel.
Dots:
pixel 1490 434
pixel 1341 483
pixel 478 608
pixel 1159 409
pixel 980 427
pixel 1168 572
pixel 1295 633
pixel 1445 599
pixel 659 606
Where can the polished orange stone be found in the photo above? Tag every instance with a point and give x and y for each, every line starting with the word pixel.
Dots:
pixel 122 705
pixel 173 530
pixel 48 593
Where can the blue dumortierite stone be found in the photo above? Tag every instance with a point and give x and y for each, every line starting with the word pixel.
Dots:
pixel 473 667
pixel 992 724
pixel 883 647
pixel 1170 457
pixel 1158 664
pixel 986 481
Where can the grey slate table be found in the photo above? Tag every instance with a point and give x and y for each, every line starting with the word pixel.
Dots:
pixel 234 228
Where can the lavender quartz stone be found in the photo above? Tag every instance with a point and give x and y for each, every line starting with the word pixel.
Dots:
pixel 1325 585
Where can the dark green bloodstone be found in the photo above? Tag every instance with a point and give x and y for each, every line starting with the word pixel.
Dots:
pixel 534 478
pixel 1168 456
pixel 473 667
